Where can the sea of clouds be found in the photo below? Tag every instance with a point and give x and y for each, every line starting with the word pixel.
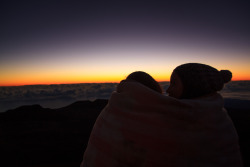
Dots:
pixel 56 96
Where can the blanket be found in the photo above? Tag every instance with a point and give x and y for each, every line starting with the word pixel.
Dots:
pixel 142 128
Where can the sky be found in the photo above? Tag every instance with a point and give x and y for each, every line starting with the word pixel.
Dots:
pixel 60 42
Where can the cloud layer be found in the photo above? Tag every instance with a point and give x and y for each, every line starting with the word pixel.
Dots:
pixel 55 96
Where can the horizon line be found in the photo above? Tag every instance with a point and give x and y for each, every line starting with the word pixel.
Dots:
pixel 82 83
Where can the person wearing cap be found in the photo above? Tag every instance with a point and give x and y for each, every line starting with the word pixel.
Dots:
pixel 193 80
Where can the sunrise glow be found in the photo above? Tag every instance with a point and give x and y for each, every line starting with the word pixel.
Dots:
pixel 88 42
pixel 113 65
pixel 104 71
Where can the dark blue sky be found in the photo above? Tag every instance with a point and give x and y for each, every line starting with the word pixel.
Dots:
pixel 54 22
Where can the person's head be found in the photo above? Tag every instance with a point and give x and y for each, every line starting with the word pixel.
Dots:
pixel 193 80
pixel 145 79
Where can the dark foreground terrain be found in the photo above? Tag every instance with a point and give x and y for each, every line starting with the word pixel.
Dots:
pixel 33 136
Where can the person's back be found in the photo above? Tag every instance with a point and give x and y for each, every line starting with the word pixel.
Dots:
pixel 199 81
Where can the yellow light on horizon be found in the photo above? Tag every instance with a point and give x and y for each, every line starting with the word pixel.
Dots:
pixel 102 66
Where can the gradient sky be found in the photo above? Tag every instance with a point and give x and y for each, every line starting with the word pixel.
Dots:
pixel 52 42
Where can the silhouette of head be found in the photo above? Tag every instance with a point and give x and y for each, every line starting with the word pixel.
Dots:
pixel 145 79
pixel 193 80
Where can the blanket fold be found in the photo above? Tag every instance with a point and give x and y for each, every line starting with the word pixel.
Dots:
pixel 142 128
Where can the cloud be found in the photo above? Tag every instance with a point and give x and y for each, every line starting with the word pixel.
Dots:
pixel 55 96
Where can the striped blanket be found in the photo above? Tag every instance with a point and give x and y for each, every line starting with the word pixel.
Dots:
pixel 142 128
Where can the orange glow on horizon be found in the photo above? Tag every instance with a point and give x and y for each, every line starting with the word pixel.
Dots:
pixel 108 73
pixel 241 78
pixel 107 64
pixel 79 80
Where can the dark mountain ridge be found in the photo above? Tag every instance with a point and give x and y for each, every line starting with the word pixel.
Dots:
pixel 37 136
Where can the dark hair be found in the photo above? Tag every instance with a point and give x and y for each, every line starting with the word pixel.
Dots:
pixel 201 79
pixel 145 79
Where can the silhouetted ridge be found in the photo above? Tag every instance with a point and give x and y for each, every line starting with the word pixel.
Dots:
pixel 33 135
pixel 27 108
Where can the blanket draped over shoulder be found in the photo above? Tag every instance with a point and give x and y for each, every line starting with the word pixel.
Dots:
pixel 142 128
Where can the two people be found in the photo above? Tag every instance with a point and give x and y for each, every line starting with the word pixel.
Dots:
pixel 142 127
pixel 187 81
